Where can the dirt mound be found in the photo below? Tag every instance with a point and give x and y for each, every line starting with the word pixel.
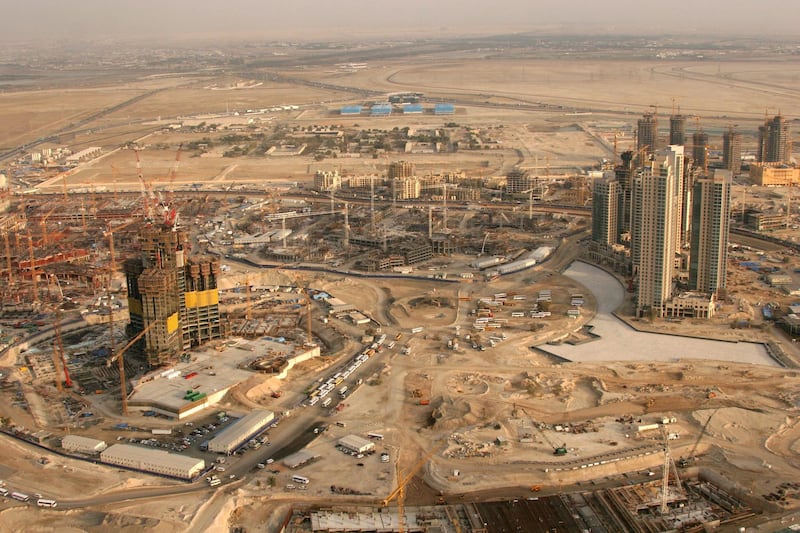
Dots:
pixel 449 413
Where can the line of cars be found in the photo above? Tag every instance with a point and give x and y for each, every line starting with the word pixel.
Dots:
pixel 319 393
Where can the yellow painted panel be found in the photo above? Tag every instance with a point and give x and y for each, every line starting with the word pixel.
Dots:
pixel 134 306
pixel 191 299
pixel 202 298
pixel 172 323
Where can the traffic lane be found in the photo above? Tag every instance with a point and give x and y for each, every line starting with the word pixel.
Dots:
pixel 138 493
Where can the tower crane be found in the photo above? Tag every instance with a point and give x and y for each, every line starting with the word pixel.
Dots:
pixel 7 250
pixel 110 233
pixel 45 236
pixel 33 268
pixel 119 357
pixel 114 177
pixel 665 474
pixel 170 212
pixel 58 347
pixel 147 191
pixel 402 481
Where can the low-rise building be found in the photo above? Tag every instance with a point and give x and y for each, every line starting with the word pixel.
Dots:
pixel 690 305
pixel 774 174
pixel 356 444
pixel 241 431
pixel 76 443
pixel 153 460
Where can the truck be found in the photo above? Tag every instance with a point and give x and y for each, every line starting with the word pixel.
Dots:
pixel 161 432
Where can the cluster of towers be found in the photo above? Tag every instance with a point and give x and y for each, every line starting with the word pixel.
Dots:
pixel 672 216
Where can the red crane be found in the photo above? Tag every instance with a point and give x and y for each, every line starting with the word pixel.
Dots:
pixel 170 211
pixel 146 192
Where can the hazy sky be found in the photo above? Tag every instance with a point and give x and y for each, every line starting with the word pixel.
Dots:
pixel 308 19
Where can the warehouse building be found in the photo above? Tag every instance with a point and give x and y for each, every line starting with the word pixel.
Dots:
pixel 76 443
pixel 153 460
pixel 240 432
pixel 444 109
pixel 357 444
pixel 382 109
pixel 301 458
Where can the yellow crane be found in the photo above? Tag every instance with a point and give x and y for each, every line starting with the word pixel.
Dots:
pixel 121 360
pixel 43 222
pixel 402 481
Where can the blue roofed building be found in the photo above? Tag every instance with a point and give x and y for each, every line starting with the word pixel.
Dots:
pixel 444 109
pixel 381 110
pixel 409 109
pixel 350 110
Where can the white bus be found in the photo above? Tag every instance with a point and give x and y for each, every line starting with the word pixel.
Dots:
pixel 300 479
pixel 376 436
pixel 46 503
pixel 327 402
pixel 20 496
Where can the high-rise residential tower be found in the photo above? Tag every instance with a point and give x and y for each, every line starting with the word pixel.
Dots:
pixel 732 150
pixel 624 174
pixel 710 225
pixel 654 229
pixel 605 208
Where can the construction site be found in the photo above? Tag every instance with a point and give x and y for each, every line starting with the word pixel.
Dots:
pixel 436 342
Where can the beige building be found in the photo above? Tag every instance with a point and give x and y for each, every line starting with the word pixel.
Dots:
pixel 153 460
pixel 774 174
pixel 690 305
pixel 326 181
pixel 406 188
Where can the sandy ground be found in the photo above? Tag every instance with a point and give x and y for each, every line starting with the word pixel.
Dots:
pixel 475 397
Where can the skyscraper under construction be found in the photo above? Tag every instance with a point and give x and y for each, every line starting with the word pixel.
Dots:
pixel 174 298
pixel 647 135
pixel 775 144
pixel 732 150
pixel 677 129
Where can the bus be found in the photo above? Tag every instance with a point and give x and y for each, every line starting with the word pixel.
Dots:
pixel 41 502
pixel 20 496
pixel 376 436
pixel 300 479
pixel 327 402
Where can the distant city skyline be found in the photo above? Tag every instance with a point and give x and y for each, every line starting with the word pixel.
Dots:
pixel 305 20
